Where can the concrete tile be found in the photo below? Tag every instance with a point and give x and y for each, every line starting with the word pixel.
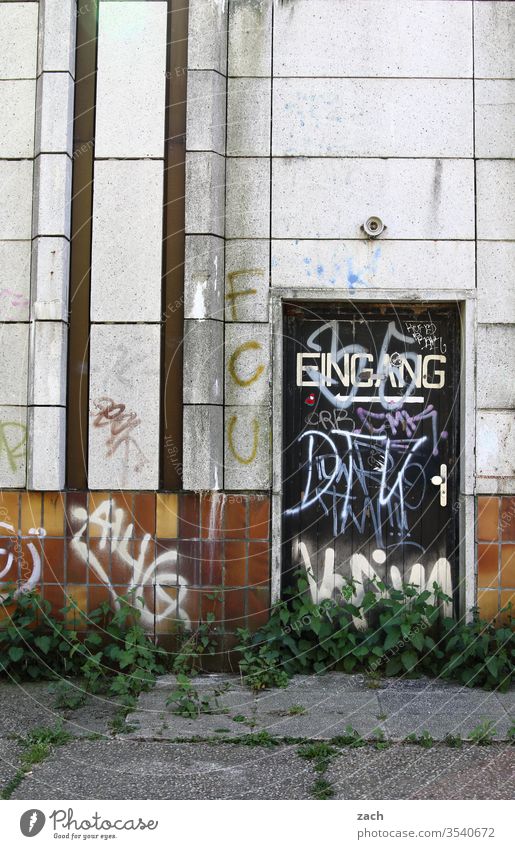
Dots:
pixel 54 117
pixel 17 111
pixel 14 347
pixel 49 343
pixel 436 39
pixel 18 40
pixel 248 199
pixel 248 117
pixel 14 280
pixel 15 199
pixel 331 198
pixel 52 190
pixel 204 277
pixel 207 35
pixel 495 357
pixel 124 378
pixel 131 80
pixel 494 35
pixel 496 282
pixel 372 117
pixel 495 187
pixel 206 116
pixel 56 44
pixel 308 263
pixel 50 274
pixel 247 447
pixel 495 118
pixel 47 448
pixel 495 446
pixel 203 447
pixel 205 193
pixel 247 280
pixel 247 363
pixel 13 459
pixel 127 249
pixel 250 39
pixel 203 347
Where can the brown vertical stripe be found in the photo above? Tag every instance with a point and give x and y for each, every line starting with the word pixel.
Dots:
pixel 80 263
pixel 173 244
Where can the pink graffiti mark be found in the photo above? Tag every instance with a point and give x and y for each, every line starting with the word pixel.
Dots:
pixel 400 420
pixel 121 424
pixel 18 299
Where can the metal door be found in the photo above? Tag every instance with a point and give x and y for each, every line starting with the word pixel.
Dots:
pixel 370 451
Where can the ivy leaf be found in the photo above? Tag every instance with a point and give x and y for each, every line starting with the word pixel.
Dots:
pixel 43 643
pixel 16 653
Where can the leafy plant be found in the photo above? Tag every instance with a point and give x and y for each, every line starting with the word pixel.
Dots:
pixel 380 741
pixel 483 734
pixel 68 696
pixel 296 710
pixel 349 738
pixel 322 789
pixel 186 700
pixel 425 740
pixel 454 741
pixel 478 654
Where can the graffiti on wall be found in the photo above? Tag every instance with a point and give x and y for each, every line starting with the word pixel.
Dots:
pixel 13 443
pixel 120 424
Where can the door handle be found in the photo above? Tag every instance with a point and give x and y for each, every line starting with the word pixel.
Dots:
pixel 441 481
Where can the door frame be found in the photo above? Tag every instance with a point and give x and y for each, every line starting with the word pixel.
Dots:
pixel 465 302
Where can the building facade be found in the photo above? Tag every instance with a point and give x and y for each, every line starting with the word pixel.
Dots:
pixel 257 301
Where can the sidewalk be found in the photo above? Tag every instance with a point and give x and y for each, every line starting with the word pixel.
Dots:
pixel 280 744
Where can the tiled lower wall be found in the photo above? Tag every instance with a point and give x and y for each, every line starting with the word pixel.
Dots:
pixel 186 554
pixel 495 553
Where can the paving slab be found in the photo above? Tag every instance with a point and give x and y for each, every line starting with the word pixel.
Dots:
pixel 10 752
pixel 411 772
pixel 122 769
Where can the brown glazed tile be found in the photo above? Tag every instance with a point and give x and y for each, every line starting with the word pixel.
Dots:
pixel 9 560
pixel 234 609
pixel 9 511
pixel 488 517
pixel 259 563
pixel 189 516
pixel 55 595
pixel 144 514
pixel 488 604
pixel 31 558
pixel 76 567
pixel 120 572
pixel 508 519
pixel 508 566
pixel 99 510
pixel 258 601
pixel 31 511
pixel 189 602
pixel 53 561
pixel 235 562
pixel 97 595
pixel 212 515
pixel 211 566
pixel 188 561
pixel 53 513
pixel 259 522
pixel 142 554
pixel 99 557
pixel 167 515
pixel 235 525
pixel 76 513
pixel 488 565
pixel 166 621
pixel 166 562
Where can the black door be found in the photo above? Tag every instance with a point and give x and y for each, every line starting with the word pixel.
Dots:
pixel 370 453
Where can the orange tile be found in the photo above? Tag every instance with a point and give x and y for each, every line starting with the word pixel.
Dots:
pixel 212 508
pixel 97 596
pixel 76 567
pixel 31 511
pixel 167 521
pixel 508 566
pixel 76 513
pixel 508 597
pixel 53 514
pixel 259 563
pixel 55 595
pixel 9 510
pixel 144 514
pixel 235 562
pixel 76 597
pixel 99 510
pixel 508 519
pixel 259 522
pixel 488 517
pixel 258 608
pixel 31 560
pixel 488 565
pixel 9 558
pixel 488 603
